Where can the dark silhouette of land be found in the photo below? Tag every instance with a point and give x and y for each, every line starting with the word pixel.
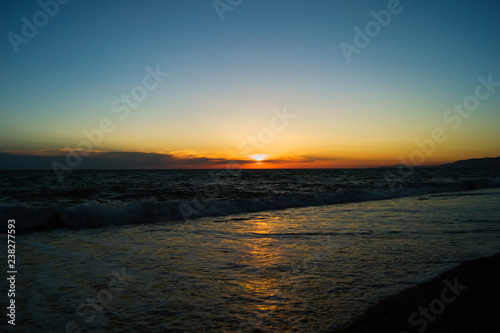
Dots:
pixel 470 304
pixel 476 163
pixel 473 163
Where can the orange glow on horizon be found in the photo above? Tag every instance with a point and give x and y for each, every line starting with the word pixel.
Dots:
pixel 191 159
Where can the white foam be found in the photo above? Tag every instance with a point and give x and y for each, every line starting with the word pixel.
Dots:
pixel 95 213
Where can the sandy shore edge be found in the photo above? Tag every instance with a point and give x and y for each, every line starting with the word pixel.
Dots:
pixel 464 299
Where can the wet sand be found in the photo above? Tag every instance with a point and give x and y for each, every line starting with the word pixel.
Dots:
pixel 464 299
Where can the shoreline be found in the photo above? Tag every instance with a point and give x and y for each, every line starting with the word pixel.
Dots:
pixel 463 299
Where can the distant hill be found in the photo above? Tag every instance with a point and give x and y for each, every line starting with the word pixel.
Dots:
pixel 475 163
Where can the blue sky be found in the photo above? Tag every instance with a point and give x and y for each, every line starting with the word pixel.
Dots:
pixel 227 76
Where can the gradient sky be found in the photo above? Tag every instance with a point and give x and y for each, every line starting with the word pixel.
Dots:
pixel 229 78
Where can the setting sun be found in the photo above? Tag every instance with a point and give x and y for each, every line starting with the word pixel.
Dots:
pixel 259 157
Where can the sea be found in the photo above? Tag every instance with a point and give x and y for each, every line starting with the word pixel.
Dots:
pixel 233 250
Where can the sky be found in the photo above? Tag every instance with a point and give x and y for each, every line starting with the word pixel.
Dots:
pixel 257 84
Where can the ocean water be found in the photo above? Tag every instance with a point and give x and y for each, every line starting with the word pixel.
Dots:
pixel 235 251
pixel 91 198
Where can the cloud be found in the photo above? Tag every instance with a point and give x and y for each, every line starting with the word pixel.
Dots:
pixel 41 160
pixel 289 159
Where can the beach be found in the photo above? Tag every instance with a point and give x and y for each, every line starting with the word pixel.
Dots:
pixel 472 306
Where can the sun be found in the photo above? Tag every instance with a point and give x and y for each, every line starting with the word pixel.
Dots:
pixel 258 157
